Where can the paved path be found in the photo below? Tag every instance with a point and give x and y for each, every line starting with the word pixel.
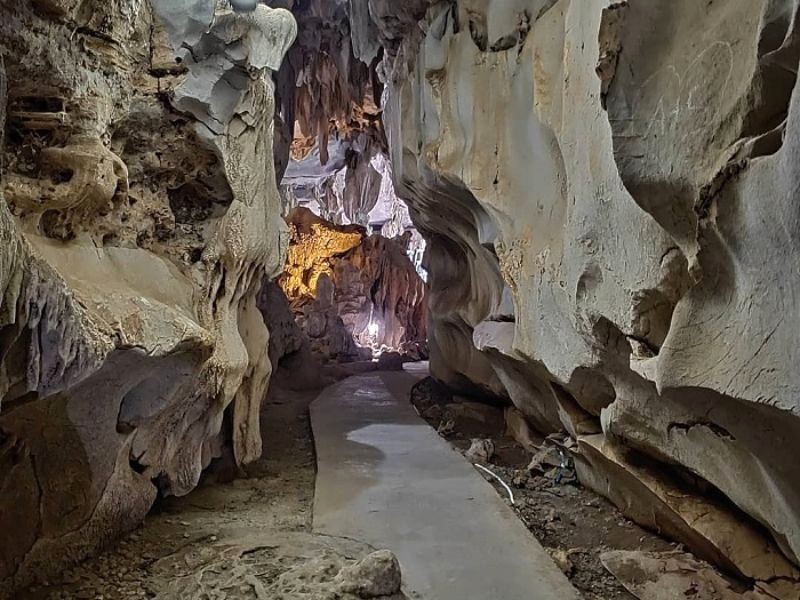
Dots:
pixel 386 477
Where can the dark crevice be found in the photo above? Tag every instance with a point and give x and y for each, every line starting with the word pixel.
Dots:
pixel 256 550
pixel 97 34
pixel 479 33
pixel 651 349
pixel 136 466
pixel 779 54
pixel 711 191
pixel 717 430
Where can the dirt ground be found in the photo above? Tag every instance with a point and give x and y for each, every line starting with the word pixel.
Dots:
pixel 247 534
pixel 239 535
pixel 574 524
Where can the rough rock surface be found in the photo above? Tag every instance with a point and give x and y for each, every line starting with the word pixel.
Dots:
pixel 374 576
pixel 141 215
pixel 607 190
pixel 290 352
pixel 352 293
pixel 676 576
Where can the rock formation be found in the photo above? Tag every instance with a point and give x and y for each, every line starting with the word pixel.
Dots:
pixel 607 189
pixel 607 193
pixel 141 214
pixel 352 293
pixel 331 141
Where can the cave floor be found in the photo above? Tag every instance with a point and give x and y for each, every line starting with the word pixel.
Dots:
pixel 239 535
pixel 386 477
pixel 575 525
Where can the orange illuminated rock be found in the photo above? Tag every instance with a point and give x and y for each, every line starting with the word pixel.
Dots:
pixel 350 291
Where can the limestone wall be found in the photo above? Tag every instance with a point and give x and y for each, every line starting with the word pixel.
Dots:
pixel 608 192
pixel 140 216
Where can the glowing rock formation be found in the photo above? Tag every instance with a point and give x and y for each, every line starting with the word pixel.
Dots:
pixel 346 287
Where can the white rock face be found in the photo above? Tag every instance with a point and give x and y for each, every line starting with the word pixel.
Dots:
pixel 625 174
pixel 141 215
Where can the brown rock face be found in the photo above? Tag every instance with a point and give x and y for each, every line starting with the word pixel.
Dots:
pixel 352 293
pixel 140 216
pixel 328 90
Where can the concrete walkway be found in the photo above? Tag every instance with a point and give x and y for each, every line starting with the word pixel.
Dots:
pixel 386 477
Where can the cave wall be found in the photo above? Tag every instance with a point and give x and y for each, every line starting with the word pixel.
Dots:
pixel 140 216
pixel 353 293
pixel 608 191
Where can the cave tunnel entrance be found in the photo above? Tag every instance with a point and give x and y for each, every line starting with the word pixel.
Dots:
pixel 354 277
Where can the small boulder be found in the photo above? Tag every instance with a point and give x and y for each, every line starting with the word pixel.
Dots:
pixel 374 576
pixel 390 361
pixel 481 451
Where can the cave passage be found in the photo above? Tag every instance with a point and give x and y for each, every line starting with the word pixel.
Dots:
pixel 399 299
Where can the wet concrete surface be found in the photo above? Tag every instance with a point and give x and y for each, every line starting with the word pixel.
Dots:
pixel 385 477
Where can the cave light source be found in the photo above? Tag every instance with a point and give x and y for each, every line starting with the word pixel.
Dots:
pixel 372 331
